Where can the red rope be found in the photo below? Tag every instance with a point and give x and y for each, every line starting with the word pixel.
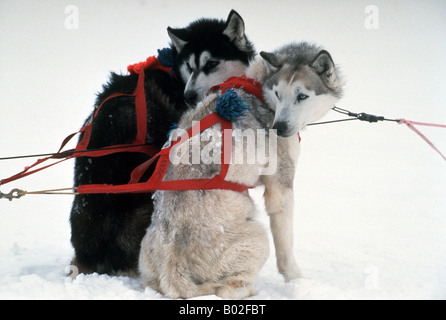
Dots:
pixel 411 124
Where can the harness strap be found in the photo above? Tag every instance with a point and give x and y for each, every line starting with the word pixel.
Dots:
pixel 138 145
pixel 81 150
pixel 247 84
pixel 156 181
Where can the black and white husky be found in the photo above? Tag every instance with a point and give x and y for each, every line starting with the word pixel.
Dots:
pixel 107 229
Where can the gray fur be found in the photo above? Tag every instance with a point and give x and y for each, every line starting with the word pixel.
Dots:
pixel 297 55
pixel 303 84
pixel 294 69
pixel 209 241
pixel 213 243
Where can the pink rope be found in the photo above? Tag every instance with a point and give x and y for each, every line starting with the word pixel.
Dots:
pixel 411 124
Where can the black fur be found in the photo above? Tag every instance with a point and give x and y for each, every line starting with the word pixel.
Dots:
pixel 207 34
pixel 107 229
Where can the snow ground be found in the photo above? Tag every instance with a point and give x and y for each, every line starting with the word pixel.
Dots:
pixel 370 198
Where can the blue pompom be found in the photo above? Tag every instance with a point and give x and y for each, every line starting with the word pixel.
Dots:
pixel 165 56
pixel 230 106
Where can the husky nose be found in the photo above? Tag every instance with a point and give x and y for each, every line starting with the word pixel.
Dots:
pixel 281 127
pixel 190 97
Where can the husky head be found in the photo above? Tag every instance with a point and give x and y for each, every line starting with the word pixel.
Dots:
pixel 209 52
pixel 302 85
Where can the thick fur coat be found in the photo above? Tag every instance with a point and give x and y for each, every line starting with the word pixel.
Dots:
pixel 209 241
pixel 106 230
pixel 205 242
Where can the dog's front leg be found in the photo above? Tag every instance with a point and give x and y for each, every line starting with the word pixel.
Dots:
pixel 279 202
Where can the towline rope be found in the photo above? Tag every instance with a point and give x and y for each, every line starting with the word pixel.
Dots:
pixel 372 118
pixel 18 193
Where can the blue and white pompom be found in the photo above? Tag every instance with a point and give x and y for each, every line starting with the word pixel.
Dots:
pixel 230 106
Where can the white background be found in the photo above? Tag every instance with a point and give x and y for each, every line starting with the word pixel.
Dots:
pixel 371 201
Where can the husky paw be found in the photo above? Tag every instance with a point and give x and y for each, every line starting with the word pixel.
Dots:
pixel 291 273
pixel 228 292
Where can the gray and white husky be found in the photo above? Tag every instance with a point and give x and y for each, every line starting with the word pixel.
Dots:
pixel 302 85
pixel 204 242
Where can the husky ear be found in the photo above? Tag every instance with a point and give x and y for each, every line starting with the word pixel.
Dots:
pixel 325 67
pixel 177 36
pixel 272 61
pixel 235 30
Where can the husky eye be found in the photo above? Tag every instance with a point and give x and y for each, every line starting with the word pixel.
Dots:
pixel 301 97
pixel 277 94
pixel 211 64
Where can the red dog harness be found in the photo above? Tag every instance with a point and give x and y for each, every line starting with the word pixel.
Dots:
pixel 246 84
pixel 156 181
pixel 138 145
